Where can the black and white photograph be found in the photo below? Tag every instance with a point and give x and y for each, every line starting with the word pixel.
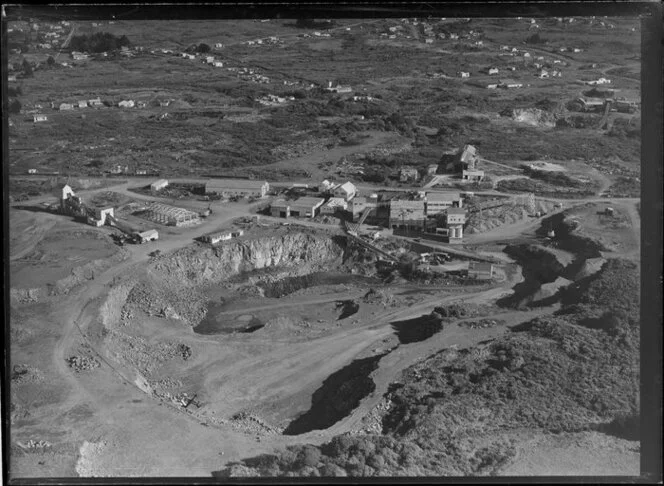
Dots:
pixel 331 244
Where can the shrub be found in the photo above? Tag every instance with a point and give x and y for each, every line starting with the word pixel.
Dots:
pixel 15 106
pixel 98 42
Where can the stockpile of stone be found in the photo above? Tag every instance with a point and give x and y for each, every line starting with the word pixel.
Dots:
pixel 143 355
pixel 481 324
pixel 83 363
pixel 250 424
pixel 380 297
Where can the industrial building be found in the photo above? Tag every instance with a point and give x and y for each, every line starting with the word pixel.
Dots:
pixel 438 202
pixel 237 187
pixel 333 205
pixel 407 214
pixel 472 175
pixel 149 235
pixel 454 220
pixel 306 206
pixel 303 207
pixel 158 185
pixel 215 238
pixel 480 270
pixel 280 209
pixel 408 174
pixel 169 215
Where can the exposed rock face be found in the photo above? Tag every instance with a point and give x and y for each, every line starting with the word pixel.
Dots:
pixel 299 251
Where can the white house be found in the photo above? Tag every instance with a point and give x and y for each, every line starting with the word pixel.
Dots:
pixel 465 74
pixel 218 64
pixel 126 104
pixel 345 191
pixel 493 70
pixel 66 106
pixel 39 118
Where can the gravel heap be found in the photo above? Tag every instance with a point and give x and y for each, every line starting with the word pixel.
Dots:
pixel 83 363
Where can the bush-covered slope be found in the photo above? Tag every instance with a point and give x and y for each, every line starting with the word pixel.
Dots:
pixel 451 413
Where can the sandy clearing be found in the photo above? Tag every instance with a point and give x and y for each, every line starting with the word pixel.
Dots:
pixel 578 454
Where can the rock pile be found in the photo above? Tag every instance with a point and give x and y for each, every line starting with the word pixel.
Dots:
pixel 83 363
pixel 380 297
pixel 481 324
pixel 39 444
pixel 250 424
pixel 143 355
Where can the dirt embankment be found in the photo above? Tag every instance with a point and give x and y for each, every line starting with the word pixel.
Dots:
pixel 65 265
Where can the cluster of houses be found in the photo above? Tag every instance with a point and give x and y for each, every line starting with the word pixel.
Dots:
pixel 274 100
pixel 338 88
pixel 428 34
pixel 96 103
pixel 337 197
pixel 272 40
pixel 434 213
pixel 598 82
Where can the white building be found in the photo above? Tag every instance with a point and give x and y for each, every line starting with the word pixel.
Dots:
pixel 126 104
pixel 347 191
pixel 237 187
pixel 149 235
pixel 158 185
pixel 39 118
pixel 438 202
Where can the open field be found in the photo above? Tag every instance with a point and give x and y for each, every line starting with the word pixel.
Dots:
pixel 310 347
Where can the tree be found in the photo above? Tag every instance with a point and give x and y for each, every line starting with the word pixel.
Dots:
pixel 27 68
pixel 203 48
pixel 15 106
pixel 50 61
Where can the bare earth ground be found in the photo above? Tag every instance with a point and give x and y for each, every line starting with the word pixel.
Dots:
pixel 253 370
pixel 67 296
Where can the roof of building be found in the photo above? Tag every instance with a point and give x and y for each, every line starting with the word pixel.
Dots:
pixel 346 186
pixel 336 201
pixel 280 203
pixel 442 196
pixel 307 201
pixel 218 233
pixel 509 81
pixel 480 266
pixel 159 181
pixel 234 184
pixel 148 233
pixel 458 211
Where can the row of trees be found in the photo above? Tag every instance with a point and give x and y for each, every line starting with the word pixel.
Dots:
pixel 98 42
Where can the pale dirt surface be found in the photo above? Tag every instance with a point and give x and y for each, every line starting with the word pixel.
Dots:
pixel 102 422
pixel 574 454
